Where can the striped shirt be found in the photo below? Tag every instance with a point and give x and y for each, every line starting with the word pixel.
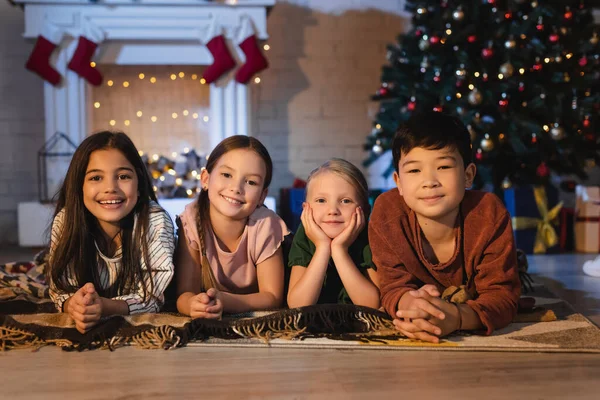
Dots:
pixel 161 245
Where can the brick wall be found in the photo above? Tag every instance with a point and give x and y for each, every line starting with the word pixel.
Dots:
pixel 21 121
pixel 313 103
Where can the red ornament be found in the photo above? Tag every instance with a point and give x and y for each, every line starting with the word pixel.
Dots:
pixel 491 2
pixel 543 170
pixel 583 61
pixel 568 15
pixel 479 155
pixel 438 108
pixel 521 87
pixel 382 92
pixel 537 67
pixel 418 32
pixel 411 106
pixel 460 83
pixel 436 78
pixel 540 27
pixel 434 39
pixel 487 53
pixel 553 38
pixel 533 139
pixel 508 14
pixel 472 39
pixel 503 104
pixel 586 122
pixel 590 137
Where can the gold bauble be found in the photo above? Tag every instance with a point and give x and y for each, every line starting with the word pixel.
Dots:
pixel 506 183
pixel 475 97
pixel 458 15
pixel 594 39
pixel 510 44
pixel 487 144
pixel 557 132
pixel 507 69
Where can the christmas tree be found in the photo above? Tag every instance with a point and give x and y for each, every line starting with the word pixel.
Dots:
pixel 524 77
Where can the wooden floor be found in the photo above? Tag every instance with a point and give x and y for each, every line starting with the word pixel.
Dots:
pixel 330 374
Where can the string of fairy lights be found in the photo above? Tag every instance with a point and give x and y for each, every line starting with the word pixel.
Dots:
pixel 176 176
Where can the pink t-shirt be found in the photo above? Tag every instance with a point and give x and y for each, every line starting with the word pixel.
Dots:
pixel 236 270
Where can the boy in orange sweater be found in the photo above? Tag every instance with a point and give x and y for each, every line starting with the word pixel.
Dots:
pixel 432 238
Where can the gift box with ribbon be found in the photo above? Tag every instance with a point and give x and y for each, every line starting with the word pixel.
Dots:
pixel 534 211
pixel 587 219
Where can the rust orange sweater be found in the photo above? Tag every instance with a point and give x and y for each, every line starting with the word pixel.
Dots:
pixel 485 247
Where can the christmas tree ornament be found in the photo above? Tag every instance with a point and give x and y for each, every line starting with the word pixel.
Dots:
pixel 566 77
pixel 558 59
pixel 508 14
pixel 255 59
pixel 39 59
pixel 419 32
pixel 507 69
pixel 563 30
pixel 377 148
pixel 540 24
pixel 216 43
pixel 542 170
pixel 438 108
pixel 574 103
pixel 487 52
pixel 471 38
pixel 521 86
pixel 553 38
pixel 534 4
pixel 586 121
pixel 510 44
pixel 538 64
pixel 424 44
pixel 81 62
pixel 458 15
pixel 583 61
pixel 475 97
pixel 568 13
pixel 590 163
pixel 477 118
pixel 486 143
pixel 411 105
pixel 594 38
pixel 422 11
pixel 479 155
pixel 506 183
pixel 503 103
pixel 461 71
pixel 534 138
pixel 434 39
pixel 557 132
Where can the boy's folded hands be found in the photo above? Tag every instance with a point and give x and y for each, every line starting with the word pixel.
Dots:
pixel 423 315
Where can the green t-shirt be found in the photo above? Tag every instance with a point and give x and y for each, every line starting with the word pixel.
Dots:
pixel 333 290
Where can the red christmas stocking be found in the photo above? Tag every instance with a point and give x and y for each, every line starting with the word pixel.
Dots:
pixel 80 62
pixel 223 61
pixel 39 59
pixel 255 60
pixel 87 45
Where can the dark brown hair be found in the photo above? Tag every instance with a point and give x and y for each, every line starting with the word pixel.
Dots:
pixel 74 254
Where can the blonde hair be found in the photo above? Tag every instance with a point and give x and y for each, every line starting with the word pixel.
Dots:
pixel 350 174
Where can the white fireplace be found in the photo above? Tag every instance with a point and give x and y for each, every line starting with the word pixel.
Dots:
pixel 137 32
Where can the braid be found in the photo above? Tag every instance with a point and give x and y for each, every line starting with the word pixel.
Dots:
pixel 202 225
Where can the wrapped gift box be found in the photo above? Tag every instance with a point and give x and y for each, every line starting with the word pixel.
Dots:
pixel 587 219
pixel 525 208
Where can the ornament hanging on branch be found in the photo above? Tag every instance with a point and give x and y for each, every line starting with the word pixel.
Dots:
pixel 486 143
pixel 475 97
pixel 557 132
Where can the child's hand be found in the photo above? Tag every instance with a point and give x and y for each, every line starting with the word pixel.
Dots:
pixel 350 232
pixel 312 229
pixel 206 305
pixel 85 308
pixel 416 310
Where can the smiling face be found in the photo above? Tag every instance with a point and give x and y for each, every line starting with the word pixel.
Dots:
pixel 333 201
pixel 236 184
pixel 110 188
pixel 433 182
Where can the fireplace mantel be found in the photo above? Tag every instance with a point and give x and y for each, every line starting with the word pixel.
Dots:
pixel 136 32
pixel 144 32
